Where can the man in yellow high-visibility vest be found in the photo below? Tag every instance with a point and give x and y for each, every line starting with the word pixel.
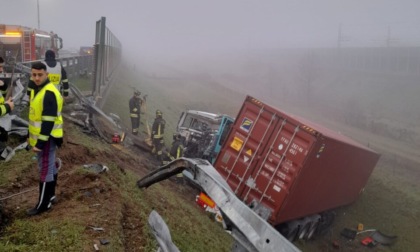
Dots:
pixel 45 133
pixel 56 74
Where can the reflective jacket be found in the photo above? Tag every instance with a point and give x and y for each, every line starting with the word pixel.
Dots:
pixel 54 73
pixel 4 108
pixel 177 150
pixel 134 105
pixel 41 124
pixel 158 128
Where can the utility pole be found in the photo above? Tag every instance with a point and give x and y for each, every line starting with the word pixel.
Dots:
pixel 37 5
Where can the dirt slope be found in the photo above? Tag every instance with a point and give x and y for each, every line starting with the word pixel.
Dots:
pixel 107 200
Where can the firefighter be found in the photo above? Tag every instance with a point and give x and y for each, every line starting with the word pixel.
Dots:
pixel 135 106
pixel 56 74
pixel 5 107
pixel 4 83
pixel 177 149
pixel 158 129
pixel 45 133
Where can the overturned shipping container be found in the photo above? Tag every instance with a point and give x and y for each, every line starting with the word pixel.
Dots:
pixel 289 167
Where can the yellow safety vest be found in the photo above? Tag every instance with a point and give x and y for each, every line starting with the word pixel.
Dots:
pixel 54 73
pixel 2 108
pixel 36 118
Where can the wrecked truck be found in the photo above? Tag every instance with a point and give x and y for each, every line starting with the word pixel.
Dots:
pixel 290 171
pixel 203 133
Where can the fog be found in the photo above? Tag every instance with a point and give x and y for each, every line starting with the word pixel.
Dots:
pixel 269 48
pixel 190 29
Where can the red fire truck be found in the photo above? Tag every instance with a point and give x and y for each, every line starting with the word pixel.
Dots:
pixel 27 44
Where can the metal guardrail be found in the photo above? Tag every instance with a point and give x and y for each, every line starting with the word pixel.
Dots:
pixel 251 232
pixel 75 66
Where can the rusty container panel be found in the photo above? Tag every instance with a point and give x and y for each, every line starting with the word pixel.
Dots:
pixel 291 166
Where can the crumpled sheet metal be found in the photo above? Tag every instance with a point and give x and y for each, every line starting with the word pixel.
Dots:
pixel 161 231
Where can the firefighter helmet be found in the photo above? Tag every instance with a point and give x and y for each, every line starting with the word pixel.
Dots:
pixel 158 113
pixel 137 93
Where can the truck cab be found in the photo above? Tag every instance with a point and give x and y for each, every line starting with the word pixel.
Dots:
pixel 203 133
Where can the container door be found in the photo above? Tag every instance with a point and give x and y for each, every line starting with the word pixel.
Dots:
pixel 263 155
pixel 279 166
pixel 251 130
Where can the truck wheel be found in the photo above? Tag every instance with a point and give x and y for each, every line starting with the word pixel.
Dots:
pixel 289 230
pixel 311 230
pixel 293 227
pixel 327 218
pixel 313 227
pixel 305 229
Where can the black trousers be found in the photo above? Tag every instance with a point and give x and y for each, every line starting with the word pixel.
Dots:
pixel 135 123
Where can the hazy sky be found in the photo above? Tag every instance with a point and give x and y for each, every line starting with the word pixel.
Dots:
pixel 184 28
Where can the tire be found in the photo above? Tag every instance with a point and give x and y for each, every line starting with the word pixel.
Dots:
pixel 292 235
pixel 306 225
pixel 325 222
pixel 314 225
pixel 289 230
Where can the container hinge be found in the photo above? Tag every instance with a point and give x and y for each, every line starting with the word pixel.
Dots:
pixel 251 182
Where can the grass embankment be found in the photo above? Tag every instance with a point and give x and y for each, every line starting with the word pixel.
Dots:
pixel 109 200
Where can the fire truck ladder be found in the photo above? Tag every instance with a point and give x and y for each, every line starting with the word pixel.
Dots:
pixel 26 46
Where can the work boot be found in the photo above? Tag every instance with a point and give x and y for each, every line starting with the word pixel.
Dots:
pixel 44 204
pixel 53 199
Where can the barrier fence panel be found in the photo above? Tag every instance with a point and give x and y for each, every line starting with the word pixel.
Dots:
pixel 107 57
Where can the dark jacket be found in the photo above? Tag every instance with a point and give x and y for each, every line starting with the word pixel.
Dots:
pixel 134 105
pixel 176 149
pixel 158 127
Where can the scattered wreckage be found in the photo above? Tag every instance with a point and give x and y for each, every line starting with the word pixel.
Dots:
pixel 83 113
pixel 376 237
pixel 12 123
